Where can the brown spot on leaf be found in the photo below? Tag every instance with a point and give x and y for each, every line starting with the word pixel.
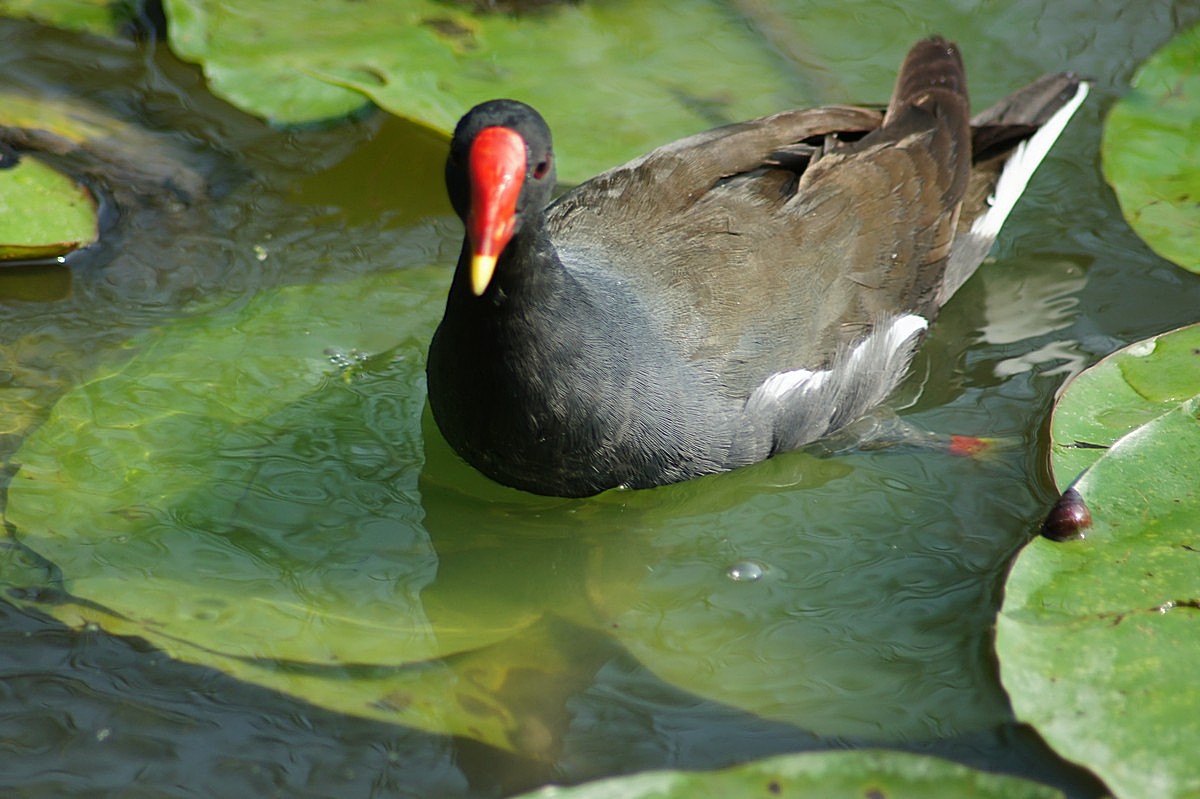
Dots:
pixel 394 702
pixel 453 31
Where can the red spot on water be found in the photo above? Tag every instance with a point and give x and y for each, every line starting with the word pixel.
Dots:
pixel 968 446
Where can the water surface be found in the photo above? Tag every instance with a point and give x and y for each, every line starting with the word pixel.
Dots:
pixel 874 575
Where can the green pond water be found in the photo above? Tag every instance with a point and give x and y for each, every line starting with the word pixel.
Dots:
pixel 306 594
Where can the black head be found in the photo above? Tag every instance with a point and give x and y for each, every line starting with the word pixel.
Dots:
pixel 499 176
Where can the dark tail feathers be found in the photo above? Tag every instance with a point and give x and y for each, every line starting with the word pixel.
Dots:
pixel 932 71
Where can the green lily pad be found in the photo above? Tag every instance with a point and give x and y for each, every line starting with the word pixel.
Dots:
pixel 613 79
pixel 1126 390
pixel 43 213
pixel 830 775
pixel 651 71
pixel 1151 151
pixel 480 693
pixel 430 61
pixel 1097 638
pixel 95 16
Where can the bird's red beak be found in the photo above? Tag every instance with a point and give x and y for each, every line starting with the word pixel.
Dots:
pixel 496 165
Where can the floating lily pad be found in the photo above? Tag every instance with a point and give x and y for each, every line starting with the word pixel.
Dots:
pixel 613 79
pixel 1126 390
pixel 1097 638
pixel 830 775
pixel 1151 151
pixel 43 213
pixel 95 16
pixel 586 64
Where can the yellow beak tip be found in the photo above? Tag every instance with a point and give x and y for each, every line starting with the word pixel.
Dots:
pixel 482 269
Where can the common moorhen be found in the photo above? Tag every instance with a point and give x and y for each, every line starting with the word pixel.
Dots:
pixel 726 297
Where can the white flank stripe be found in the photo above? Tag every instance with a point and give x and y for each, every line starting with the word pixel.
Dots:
pixel 905 328
pixel 888 341
pixel 1021 166
pixel 882 344
pixel 781 383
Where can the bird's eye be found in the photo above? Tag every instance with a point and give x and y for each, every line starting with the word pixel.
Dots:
pixel 542 168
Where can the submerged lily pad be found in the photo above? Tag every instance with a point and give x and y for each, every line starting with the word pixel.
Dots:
pixel 43 213
pixel 810 604
pixel 830 775
pixel 241 492
pixel 1097 638
pixel 134 164
pixel 1151 151
pixel 132 448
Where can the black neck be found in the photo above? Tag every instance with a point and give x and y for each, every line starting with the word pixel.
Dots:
pixel 528 270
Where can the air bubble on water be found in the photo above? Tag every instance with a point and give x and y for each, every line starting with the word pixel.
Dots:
pixel 343 359
pixel 746 571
